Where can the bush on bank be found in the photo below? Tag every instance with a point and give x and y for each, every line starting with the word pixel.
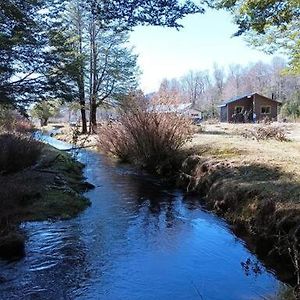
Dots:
pixel 13 122
pixel 150 139
pixel 18 152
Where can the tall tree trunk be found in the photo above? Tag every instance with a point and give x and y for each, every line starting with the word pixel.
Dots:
pixel 93 74
pixel 93 116
pixel 83 117
pixel 81 87
pixel 82 101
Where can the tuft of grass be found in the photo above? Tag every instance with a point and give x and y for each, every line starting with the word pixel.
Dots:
pixel 18 152
pixel 58 203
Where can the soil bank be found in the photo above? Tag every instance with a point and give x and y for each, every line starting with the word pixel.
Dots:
pixel 52 189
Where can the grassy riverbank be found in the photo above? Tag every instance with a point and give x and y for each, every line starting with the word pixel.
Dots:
pixel 50 189
pixel 255 185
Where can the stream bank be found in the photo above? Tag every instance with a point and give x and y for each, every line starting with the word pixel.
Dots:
pixel 50 190
pixel 251 198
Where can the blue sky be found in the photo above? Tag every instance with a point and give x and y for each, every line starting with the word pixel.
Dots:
pixel 205 39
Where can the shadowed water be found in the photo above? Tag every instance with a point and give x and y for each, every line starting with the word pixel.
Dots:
pixel 138 240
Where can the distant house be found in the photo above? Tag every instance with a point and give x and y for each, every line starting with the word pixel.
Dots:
pixel 170 108
pixel 248 107
pixel 195 114
pixel 186 109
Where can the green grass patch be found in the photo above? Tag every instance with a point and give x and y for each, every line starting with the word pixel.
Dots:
pixel 51 189
pixel 58 204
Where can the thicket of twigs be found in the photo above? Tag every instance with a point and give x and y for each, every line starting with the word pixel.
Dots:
pixel 13 122
pixel 146 137
pixel 17 149
pixel 266 132
pixel 17 152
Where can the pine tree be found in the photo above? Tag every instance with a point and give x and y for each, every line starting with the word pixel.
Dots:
pixel 20 48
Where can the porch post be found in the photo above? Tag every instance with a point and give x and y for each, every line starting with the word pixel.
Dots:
pixel 227 113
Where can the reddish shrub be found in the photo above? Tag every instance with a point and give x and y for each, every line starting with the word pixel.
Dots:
pixel 12 121
pixel 147 138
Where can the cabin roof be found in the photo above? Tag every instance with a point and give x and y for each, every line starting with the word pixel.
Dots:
pixel 248 95
pixel 194 110
pixel 170 107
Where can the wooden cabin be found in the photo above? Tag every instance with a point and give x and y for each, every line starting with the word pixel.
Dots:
pixel 249 108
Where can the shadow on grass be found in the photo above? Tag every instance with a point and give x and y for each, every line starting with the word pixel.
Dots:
pixel 213 132
pixel 212 152
pixel 270 182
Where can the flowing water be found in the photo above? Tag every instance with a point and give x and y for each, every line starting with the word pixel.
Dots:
pixel 138 240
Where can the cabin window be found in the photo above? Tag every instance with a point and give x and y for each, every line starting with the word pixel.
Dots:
pixel 238 109
pixel 266 110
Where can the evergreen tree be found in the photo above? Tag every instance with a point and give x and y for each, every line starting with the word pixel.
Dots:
pixel 20 48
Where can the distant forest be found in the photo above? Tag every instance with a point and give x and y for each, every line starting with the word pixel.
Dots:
pixel 207 89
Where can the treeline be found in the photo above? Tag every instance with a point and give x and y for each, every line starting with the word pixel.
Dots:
pixel 207 89
pixel 75 50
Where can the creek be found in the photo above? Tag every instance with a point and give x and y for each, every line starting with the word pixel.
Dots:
pixel 137 240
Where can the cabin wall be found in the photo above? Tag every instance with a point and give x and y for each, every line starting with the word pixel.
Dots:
pixel 223 114
pixel 260 101
pixel 246 103
pixel 254 103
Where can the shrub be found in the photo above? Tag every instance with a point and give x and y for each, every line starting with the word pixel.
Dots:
pixel 12 121
pixel 265 132
pixel 146 137
pixel 17 152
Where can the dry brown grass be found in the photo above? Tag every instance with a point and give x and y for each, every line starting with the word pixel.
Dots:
pixel 18 152
pixel 266 132
pixel 254 184
pixel 223 141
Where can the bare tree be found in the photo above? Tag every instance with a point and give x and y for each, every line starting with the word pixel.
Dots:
pixel 235 76
pixel 170 93
pixel 207 90
pixel 219 83
pixel 195 85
